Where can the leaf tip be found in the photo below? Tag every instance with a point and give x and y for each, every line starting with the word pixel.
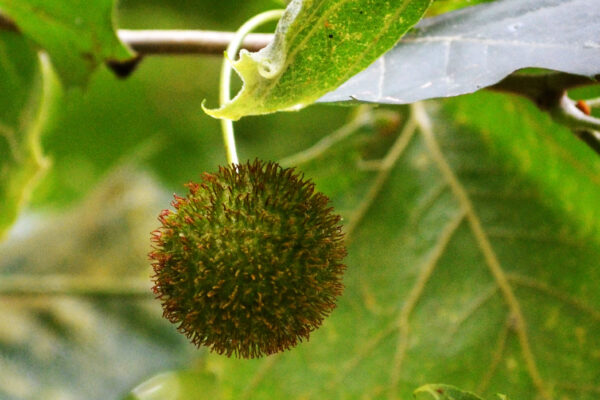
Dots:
pixel 222 112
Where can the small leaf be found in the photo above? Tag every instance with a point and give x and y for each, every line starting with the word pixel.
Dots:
pixel 77 34
pixel 445 392
pixel 27 86
pixel 464 51
pixel 318 45
pixel 176 385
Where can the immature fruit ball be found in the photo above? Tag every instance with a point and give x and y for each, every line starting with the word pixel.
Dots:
pixel 250 261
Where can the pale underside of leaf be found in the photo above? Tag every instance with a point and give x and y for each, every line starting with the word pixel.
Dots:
pixel 466 50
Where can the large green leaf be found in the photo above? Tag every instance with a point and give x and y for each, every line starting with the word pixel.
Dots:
pixel 448 231
pixel 567 172
pixel 77 34
pixel 460 270
pixel 24 108
pixel 318 45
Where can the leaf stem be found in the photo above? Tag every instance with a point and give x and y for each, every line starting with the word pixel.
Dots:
pixel 585 127
pixel 225 85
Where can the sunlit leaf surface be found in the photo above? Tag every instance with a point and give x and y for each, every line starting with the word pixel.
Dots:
pixel 318 45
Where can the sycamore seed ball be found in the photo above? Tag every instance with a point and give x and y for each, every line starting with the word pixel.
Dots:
pixel 250 261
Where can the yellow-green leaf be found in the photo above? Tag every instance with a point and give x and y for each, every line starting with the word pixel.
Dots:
pixel 318 45
pixel 26 85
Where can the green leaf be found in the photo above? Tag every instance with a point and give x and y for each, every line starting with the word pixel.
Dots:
pixel 459 270
pixel 77 34
pixel 318 45
pixel 176 385
pixel 27 86
pixel 444 6
pixel 445 392
pixel 566 171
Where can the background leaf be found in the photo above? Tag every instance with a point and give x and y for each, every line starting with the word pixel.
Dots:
pixel 24 108
pixel 318 45
pixel 460 271
pixel 466 50
pixel 95 346
pixel 77 34
pixel 566 171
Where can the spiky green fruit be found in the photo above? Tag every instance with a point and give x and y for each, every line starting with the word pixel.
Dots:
pixel 250 261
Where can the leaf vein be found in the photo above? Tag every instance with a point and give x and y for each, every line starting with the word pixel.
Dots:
pixel 402 322
pixel 485 246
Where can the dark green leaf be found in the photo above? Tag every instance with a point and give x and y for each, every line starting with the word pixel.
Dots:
pixel 77 34
pixel 464 51
pixel 318 45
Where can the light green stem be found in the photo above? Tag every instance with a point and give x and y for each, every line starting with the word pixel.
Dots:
pixel 224 95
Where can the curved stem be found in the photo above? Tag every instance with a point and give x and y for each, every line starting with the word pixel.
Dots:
pixel 224 95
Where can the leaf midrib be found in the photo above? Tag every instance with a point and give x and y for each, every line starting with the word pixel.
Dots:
pixel 491 259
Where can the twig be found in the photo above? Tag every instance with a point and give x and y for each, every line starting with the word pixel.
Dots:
pixel 547 91
pixel 593 102
pixel 151 42
pixel 7 24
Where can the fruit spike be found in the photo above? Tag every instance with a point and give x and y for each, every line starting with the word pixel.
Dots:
pixel 250 261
